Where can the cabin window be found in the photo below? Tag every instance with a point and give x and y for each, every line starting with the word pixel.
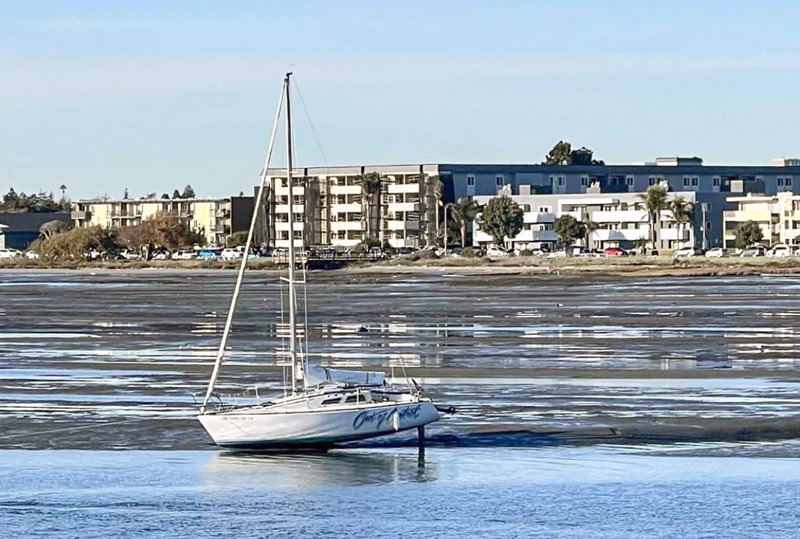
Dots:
pixel 331 401
pixel 351 398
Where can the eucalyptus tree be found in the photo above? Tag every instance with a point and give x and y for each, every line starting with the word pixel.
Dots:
pixel 501 218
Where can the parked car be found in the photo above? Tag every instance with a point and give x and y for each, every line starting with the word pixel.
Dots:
pixel 716 252
pixel 614 251
pixel 184 254
pixel 753 251
pixel 30 255
pixel 127 254
pixel 780 251
pixel 496 252
pixel 209 253
pixel 685 252
pixel 232 253
pixel 405 250
pixel 161 254
pixel 9 253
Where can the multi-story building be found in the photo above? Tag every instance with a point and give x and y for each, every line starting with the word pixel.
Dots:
pixel 620 220
pixel 778 216
pixel 344 206
pixel 215 218
pixel 409 195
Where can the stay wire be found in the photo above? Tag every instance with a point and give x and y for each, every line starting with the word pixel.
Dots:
pixel 310 123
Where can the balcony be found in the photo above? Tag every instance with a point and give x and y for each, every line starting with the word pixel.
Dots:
pixel 402 206
pixel 77 215
pixel 402 188
pixel 539 217
pixel 353 207
pixel 673 234
pixel 400 225
pixel 759 216
pixel 628 234
pixel 346 225
pixel 620 216
pixel 345 189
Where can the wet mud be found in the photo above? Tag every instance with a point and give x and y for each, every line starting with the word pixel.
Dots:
pixel 116 359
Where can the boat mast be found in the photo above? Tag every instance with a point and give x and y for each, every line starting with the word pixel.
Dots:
pixel 253 221
pixel 296 369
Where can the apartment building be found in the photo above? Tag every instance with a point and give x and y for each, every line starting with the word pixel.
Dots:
pixel 215 218
pixel 620 218
pixel 778 216
pixel 344 206
pixel 404 210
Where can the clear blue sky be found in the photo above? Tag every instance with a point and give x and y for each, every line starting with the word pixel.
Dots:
pixel 152 95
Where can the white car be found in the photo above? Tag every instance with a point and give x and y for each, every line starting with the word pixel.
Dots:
pixel 130 255
pixel 780 251
pixel 9 253
pixel 186 254
pixel 30 255
pixel 716 252
pixel 496 252
pixel 687 252
pixel 232 253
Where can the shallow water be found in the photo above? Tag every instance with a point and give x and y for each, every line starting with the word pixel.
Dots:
pixel 130 350
pixel 700 373
pixel 557 492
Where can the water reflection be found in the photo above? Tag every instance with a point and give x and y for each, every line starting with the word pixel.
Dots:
pixel 335 468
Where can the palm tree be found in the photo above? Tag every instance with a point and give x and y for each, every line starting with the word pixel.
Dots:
pixel 464 211
pixel 655 200
pixel 589 227
pixel 681 211
pixel 370 190
pixel 435 187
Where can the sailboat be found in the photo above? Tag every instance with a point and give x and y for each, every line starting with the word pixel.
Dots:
pixel 323 407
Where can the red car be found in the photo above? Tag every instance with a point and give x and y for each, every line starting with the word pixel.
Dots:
pixel 614 251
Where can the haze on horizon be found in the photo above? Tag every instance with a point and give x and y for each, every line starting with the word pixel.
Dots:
pixel 151 96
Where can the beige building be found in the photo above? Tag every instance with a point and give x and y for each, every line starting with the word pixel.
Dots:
pixel 215 218
pixel 778 216
pixel 337 207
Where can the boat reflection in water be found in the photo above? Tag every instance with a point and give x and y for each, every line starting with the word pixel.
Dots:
pixel 231 469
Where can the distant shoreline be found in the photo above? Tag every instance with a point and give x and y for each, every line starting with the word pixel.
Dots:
pixel 630 266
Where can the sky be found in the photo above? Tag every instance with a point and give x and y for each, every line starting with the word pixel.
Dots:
pixel 150 96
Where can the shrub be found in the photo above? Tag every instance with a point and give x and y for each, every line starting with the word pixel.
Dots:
pixel 467 252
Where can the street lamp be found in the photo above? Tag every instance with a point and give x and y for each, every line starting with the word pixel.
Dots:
pixel 448 205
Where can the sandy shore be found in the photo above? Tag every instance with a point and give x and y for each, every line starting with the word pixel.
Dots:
pixel 631 266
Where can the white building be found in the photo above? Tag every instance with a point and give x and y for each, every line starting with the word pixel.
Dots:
pixel 620 218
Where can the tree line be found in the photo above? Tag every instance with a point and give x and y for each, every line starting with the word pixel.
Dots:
pixel 41 202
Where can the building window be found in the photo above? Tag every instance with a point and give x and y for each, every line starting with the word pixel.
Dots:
pixel 499 180
pixel 629 181
pixel 544 209
pixel 716 181
pixel 695 181
pixel 788 181
pixel 562 180
pixel 687 181
pixel 651 180
pixel 470 179
pixel 584 181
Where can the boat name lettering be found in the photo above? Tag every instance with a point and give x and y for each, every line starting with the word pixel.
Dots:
pixel 378 418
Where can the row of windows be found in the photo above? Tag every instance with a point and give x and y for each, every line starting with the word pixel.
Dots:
pixel 688 181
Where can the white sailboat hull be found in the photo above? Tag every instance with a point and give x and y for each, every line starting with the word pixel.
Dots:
pixel 276 426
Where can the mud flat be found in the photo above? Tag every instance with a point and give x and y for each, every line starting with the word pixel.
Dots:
pixel 111 359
